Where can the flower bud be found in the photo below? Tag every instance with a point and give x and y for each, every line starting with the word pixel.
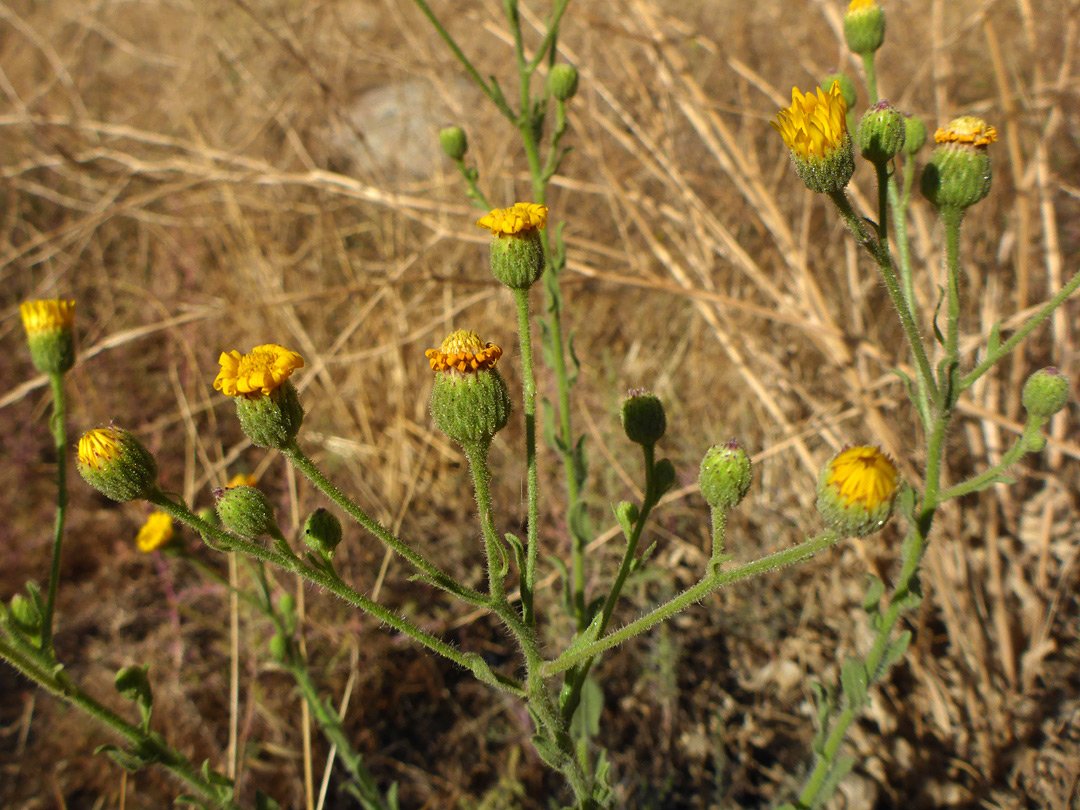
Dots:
pixel 470 402
pixel 958 174
pixel 279 648
pixel 453 142
pixel 914 134
pixel 517 251
pixel 815 129
pixel 643 417
pixel 725 475
pixel 847 87
pixel 116 464
pixel 50 334
pixel 267 404
pixel 322 532
pixel 26 614
pixel 1045 393
pixel 856 491
pixel 246 512
pixel 864 26
pixel 562 81
pixel 156 532
pixel 881 133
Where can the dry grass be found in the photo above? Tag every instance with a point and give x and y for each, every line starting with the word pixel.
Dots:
pixel 214 175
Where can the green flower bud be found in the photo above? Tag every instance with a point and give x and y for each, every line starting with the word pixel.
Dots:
pixel 881 133
pixel 453 142
pixel 271 420
pixel 643 417
pixel 26 614
pixel 847 87
pixel 50 334
pixel 279 648
pixel 958 174
pixel 1045 393
pixel 134 684
pixel 322 532
pixel 856 491
pixel 245 511
pixel 470 402
pixel 116 464
pixel 914 134
pixel 725 475
pixel 517 250
pixel 864 26
pixel 562 81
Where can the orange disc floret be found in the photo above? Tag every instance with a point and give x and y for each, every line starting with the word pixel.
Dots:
pixel 813 126
pixel 155 533
pixel 862 476
pixel 518 218
pixel 47 316
pixel 967 129
pixel 99 448
pixel 261 371
pixel 463 351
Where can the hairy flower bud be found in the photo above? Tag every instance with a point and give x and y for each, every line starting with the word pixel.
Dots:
pixel 116 464
pixel 881 133
pixel 322 532
pixel 643 417
pixel 246 512
pixel 856 491
pixel 864 26
pixel 453 142
pixel 517 250
pixel 50 334
pixel 914 134
pixel 725 475
pixel 958 173
pixel 470 402
pixel 562 81
pixel 1045 393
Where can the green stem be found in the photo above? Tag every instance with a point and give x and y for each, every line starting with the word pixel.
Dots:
pixel 144 742
pixel 550 36
pixel 58 423
pixel 431 573
pixel 882 171
pixel 528 576
pixel 476 453
pixel 951 218
pixel 884 261
pixel 1020 334
pixel 335 585
pixel 719 528
pixel 688 597
pixel 871 77
pixel 977 482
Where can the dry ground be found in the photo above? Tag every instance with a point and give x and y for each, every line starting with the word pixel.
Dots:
pixel 211 175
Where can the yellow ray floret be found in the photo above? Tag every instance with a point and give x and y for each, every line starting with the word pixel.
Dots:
pixel 813 126
pixel 98 448
pixel 520 217
pixel 155 533
pixel 863 476
pixel 262 370
pixel 47 316
pixel 967 129
pixel 241 480
pixel 464 351
pixel 858 5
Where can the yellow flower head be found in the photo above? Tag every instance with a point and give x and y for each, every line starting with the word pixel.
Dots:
pixel 241 480
pixel 464 351
pixel 863 476
pixel 813 127
pixel 261 371
pixel 155 533
pixel 967 129
pixel 47 316
pixel 858 5
pixel 520 217
pixel 99 448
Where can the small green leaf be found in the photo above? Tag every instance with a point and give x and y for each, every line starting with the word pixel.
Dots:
pixel 579 523
pixel 841 768
pixel 548 752
pixel 189 800
pixel 905 503
pixel 937 311
pixel 626 514
pixel 581 461
pixel 640 561
pixel 515 543
pixel 125 759
pixel 264 802
pixel 875 589
pixel 909 386
pixel 854 679
pixel 575 364
pixel 894 653
pixel 586 721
